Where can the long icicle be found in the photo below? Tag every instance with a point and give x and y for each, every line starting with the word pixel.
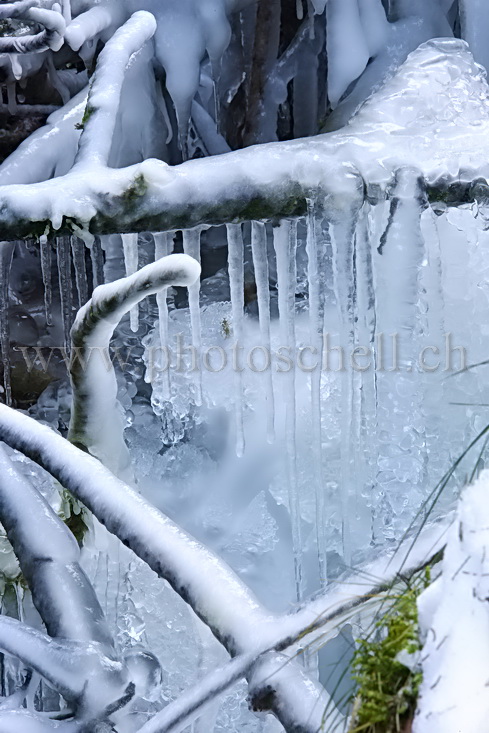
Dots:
pixel 163 247
pixel 97 257
pixel 45 247
pixel 236 282
pixel 191 247
pixel 131 259
pixel 285 244
pixel 6 255
pixel 260 264
pixel 78 254
pixel 63 253
pixel 315 331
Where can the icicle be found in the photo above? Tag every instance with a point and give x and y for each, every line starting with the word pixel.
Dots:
pixel 63 247
pixel 260 264
pixel 97 257
pixel 12 97
pixel 236 281
pixel 285 245
pixel 163 247
pixel 299 10
pixel 130 247
pixel 402 250
pixel 191 247
pixel 315 333
pixel 6 255
pixel 366 398
pixel 342 240
pixel 78 253
pixel 45 247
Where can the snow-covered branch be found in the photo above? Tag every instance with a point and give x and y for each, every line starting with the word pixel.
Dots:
pixel 51 37
pixel 96 420
pixel 274 180
pixel 80 658
pixel 105 90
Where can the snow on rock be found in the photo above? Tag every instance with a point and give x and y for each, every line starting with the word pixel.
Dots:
pixel 454 617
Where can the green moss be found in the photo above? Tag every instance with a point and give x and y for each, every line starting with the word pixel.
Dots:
pixel 137 189
pixel 74 515
pixel 89 110
pixel 387 691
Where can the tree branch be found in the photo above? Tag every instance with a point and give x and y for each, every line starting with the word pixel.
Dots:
pixel 50 38
pixel 96 419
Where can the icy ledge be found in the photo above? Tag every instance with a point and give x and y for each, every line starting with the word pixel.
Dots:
pixel 432 115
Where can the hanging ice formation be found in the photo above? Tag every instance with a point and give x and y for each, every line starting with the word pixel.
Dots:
pixel 63 253
pixel 130 249
pixel 236 282
pixel 163 247
pixel 191 247
pixel 6 255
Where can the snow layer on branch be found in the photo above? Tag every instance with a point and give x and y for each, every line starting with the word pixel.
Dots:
pixel 49 151
pixel 454 616
pixel 433 113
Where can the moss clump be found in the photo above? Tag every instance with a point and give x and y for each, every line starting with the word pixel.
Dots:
pixel 387 691
pixel 74 515
pixel 89 110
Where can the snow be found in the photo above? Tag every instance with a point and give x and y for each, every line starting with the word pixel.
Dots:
pixel 455 625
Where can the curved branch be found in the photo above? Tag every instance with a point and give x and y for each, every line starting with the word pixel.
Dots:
pixel 96 419
pixel 51 37
pixel 105 91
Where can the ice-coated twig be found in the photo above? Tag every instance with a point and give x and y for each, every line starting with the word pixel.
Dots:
pixel 96 420
pixel 94 21
pixel 70 667
pixel 50 38
pixel 202 579
pixel 80 656
pixel 105 91
pixel 49 556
